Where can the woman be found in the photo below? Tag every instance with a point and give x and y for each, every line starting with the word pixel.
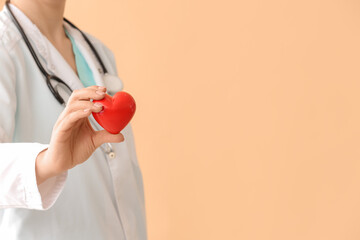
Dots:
pixel 55 180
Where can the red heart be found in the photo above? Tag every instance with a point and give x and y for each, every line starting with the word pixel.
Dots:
pixel 117 111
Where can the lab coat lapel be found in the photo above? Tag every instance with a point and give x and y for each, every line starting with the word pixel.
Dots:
pixel 62 69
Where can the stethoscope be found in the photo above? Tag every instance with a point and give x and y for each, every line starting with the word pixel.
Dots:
pixel 109 80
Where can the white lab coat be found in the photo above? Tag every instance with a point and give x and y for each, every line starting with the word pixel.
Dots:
pixel 100 199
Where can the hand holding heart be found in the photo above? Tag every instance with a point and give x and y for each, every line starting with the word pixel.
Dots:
pixel 73 139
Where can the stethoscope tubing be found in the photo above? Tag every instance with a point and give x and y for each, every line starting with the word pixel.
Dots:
pixel 48 76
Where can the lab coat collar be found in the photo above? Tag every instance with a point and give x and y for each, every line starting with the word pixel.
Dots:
pixel 50 55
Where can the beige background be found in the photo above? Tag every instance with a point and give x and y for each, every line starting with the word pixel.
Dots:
pixel 247 123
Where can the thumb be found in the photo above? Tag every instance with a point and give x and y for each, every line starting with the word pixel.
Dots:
pixel 103 136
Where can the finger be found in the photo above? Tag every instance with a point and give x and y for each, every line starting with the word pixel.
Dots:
pixel 71 119
pixel 92 92
pixel 76 106
pixel 82 105
pixel 103 136
pixel 79 95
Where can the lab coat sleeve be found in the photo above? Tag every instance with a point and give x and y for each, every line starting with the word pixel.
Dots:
pixel 18 186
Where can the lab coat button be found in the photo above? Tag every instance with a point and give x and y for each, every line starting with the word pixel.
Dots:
pixel 112 155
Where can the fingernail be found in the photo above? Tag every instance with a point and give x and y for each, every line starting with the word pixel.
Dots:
pixel 86 110
pixel 98 105
pixel 101 88
pixel 100 92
